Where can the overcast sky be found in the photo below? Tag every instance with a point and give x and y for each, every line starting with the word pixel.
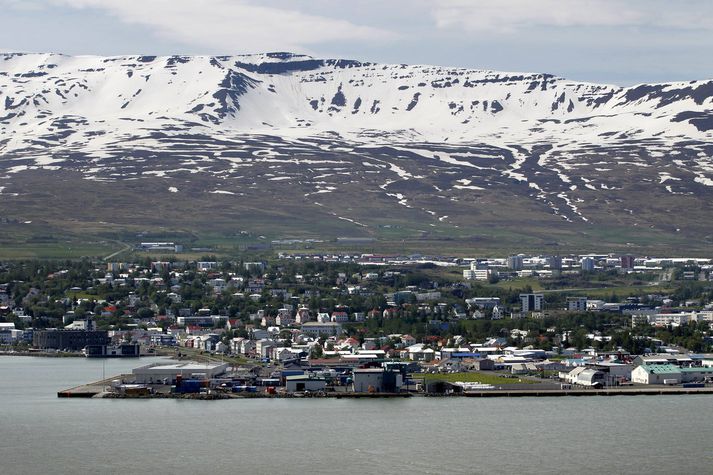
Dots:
pixel 614 41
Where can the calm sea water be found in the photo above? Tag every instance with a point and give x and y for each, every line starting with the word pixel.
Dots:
pixel 40 433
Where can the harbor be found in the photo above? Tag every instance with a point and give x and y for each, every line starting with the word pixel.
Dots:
pixel 388 430
pixel 138 385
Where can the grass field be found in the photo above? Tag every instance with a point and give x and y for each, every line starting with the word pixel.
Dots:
pixel 82 295
pixel 435 218
pixel 64 250
pixel 520 283
pixel 619 291
pixel 57 240
pixel 484 378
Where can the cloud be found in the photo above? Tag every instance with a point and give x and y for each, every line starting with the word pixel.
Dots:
pixel 21 5
pixel 232 25
pixel 507 16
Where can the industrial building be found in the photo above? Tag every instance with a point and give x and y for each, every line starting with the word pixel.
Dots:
pixel 304 382
pixel 113 351
pixel 160 372
pixel 75 340
pixel 376 380
pixel 669 374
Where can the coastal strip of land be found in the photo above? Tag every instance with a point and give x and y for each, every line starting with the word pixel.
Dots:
pixel 103 389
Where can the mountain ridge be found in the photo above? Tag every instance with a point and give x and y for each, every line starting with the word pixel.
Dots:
pixel 436 149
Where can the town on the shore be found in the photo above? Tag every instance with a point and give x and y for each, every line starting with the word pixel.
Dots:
pixel 304 324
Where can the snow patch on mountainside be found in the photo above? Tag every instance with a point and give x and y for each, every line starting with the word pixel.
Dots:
pixel 402 132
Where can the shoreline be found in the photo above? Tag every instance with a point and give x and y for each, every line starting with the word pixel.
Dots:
pixel 57 354
pixel 98 389
pixel 65 354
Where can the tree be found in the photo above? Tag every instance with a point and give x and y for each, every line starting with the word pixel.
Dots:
pixel 316 351
pixel 145 313
pixel 579 339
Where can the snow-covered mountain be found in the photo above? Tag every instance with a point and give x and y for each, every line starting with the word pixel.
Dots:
pixel 434 141
pixel 285 94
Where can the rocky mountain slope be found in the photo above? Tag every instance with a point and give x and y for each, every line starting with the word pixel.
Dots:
pixel 290 145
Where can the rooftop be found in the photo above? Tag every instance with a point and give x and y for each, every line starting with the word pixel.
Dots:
pixel 187 366
pixel 661 368
pixel 303 377
pixel 697 370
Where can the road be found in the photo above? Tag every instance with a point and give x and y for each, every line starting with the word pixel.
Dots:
pixel 114 254
pixel 584 289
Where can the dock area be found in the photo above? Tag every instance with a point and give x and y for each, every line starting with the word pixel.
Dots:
pixel 88 390
pixel 629 391
pixel 84 391
pixel 102 389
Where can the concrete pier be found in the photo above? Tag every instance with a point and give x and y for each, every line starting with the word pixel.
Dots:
pixel 630 391
pixel 88 390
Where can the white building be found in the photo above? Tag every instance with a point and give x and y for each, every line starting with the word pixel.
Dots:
pixel 670 374
pixel 319 329
pixel 9 334
pixel 159 372
pixel 340 317
pixel 476 274
pixel 303 315
pixel 262 347
pixel 587 264
pixel 577 304
pixel 284 317
pixel 656 374
pixel 304 382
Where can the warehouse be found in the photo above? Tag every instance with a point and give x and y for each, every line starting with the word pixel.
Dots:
pixel 377 380
pixel 166 373
pixel 656 374
pixel 304 382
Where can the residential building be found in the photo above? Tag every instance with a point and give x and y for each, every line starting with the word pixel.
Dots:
pixel 262 347
pixel 319 329
pixel 303 315
pixel 340 316
pixel 626 262
pixel 476 274
pixel 577 304
pixel 515 263
pixel 483 302
pixel 532 302
pixel 587 264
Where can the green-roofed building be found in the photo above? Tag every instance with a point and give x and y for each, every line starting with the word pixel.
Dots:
pixel 697 374
pixel 656 374
pixel 670 374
